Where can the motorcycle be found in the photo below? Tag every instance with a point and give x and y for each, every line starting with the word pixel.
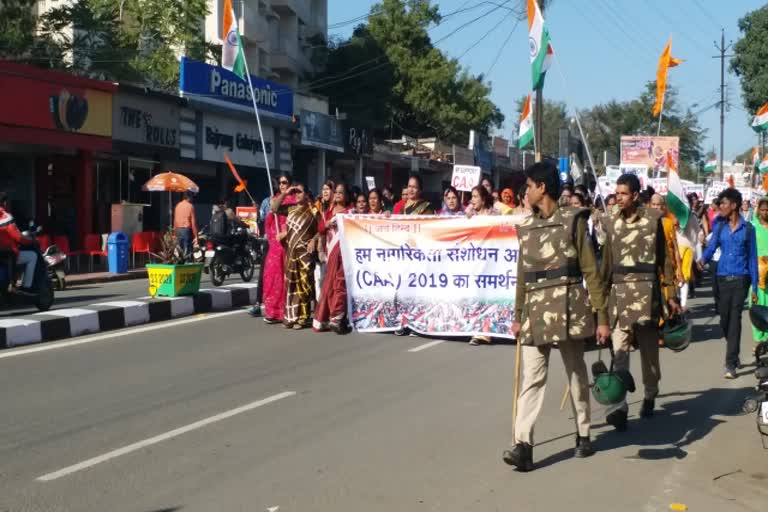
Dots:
pixel 55 260
pixel 759 403
pixel 230 255
pixel 42 296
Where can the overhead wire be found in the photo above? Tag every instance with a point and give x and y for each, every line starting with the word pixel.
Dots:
pixel 501 49
pixel 488 33
pixel 707 14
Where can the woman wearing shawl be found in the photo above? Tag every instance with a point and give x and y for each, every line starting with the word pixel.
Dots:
pixel 331 309
pixel 415 205
pixel 451 204
pixel 481 204
pixel 760 221
pixel 303 225
pixel 274 264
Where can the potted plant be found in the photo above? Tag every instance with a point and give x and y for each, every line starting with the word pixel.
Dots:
pixel 172 277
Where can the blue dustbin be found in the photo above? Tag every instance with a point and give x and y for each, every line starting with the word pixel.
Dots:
pixel 117 253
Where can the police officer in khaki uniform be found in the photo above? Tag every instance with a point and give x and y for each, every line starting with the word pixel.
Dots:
pixel 636 269
pixel 552 305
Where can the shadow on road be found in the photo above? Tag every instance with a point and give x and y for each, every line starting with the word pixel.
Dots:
pixel 677 424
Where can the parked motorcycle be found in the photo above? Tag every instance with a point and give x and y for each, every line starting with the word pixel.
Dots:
pixel 42 295
pixel 229 255
pixel 56 262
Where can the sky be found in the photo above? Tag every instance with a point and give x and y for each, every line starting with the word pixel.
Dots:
pixel 607 49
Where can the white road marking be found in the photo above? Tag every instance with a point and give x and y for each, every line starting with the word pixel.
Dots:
pixel 426 346
pixel 162 437
pixel 110 335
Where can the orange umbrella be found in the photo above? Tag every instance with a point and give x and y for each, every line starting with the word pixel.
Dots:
pixel 170 182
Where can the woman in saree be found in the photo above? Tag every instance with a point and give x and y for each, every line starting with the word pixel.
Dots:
pixel 481 204
pixel 760 221
pixel 331 311
pixel 302 232
pixel 375 202
pixel 323 204
pixel 361 203
pixel 273 305
pixel 451 204
pixel 415 205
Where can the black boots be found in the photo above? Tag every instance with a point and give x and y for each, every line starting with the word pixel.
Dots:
pixel 584 447
pixel 521 456
pixel 618 419
pixel 646 411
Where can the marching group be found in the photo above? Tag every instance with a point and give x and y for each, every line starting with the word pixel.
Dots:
pixel 615 270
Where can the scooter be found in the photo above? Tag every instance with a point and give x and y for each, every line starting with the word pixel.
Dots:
pixel 56 260
pixel 225 257
pixel 42 296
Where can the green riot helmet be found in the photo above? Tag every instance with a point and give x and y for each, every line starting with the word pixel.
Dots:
pixel 759 317
pixel 677 334
pixel 609 389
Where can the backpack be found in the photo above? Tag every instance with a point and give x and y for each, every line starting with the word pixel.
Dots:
pixel 219 226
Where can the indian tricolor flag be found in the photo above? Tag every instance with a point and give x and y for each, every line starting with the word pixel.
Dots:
pixel 539 44
pixel 763 167
pixel 755 157
pixel 760 121
pixel 232 54
pixel 525 135
pixel 711 165
pixel 677 202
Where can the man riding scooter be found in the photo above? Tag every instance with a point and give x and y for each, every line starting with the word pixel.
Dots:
pixel 11 241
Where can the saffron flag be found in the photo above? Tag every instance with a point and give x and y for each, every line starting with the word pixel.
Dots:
pixel 677 202
pixel 525 134
pixel 539 45
pixel 666 61
pixel 711 165
pixel 241 183
pixel 760 121
pixel 232 54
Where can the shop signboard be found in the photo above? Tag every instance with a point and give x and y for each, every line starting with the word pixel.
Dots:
pixel 358 139
pixel 214 84
pixel 321 131
pixel 239 139
pixel 142 120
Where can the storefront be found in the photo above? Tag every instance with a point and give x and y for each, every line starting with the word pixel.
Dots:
pixel 219 120
pixel 55 130
pixel 322 137
pixel 146 139
pixel 357 161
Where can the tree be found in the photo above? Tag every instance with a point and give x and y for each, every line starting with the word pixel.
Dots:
pixel 604 125
pixel 131 40
pixel 17 28
pixel 555 116
pixel 750 60
pixel 390 73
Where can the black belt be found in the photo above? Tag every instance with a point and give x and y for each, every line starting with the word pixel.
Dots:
pixel 732 278
pixel 640 268
pixel 571 270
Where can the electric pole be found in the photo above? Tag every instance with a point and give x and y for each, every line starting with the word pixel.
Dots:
pixel 722 49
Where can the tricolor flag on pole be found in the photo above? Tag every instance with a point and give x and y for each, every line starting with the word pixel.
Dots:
pixel 755 157
pixel 232 55
pixel 525 134
pixel 540 46
pixel 760 121
pixel 677 202
pixel 763 167
pixel 711 165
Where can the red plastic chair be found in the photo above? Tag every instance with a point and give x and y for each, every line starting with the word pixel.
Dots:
pixel 141 242
pixel 157 241
pixel 44 241
pixel 92 247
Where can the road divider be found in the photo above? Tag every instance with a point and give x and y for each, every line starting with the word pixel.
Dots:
pixel 60 324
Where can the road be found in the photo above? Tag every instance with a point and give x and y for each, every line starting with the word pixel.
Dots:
pixel 226 413
pixel 85 294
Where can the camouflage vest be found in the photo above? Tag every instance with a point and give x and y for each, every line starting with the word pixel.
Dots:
pixel 634 284
pixel 556 305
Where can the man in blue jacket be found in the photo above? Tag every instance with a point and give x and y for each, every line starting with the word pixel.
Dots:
pixel 736 271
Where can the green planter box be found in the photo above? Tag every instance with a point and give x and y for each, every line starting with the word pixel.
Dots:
pixel 174 280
